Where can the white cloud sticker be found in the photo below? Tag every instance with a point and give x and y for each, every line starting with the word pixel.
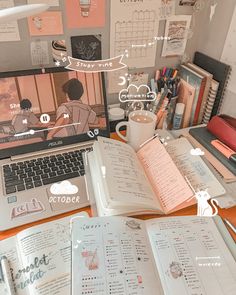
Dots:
pixel 64 188
pixel 197 152
pixel 137 93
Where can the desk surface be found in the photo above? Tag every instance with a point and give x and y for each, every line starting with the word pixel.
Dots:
pixel 230 214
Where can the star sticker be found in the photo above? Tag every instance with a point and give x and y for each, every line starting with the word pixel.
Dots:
pixel 57 63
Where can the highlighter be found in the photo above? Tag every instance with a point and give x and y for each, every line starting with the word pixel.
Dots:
pixel 225 150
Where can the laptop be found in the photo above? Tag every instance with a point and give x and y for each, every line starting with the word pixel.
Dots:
pixel 48 120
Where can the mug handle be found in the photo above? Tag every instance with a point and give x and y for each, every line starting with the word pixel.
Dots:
pixel 118 126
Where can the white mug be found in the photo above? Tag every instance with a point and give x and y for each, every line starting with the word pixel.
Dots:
pixel 140 128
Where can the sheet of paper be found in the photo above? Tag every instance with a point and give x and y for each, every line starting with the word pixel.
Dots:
pixel 85 13
pixel 124 176
pixel 177 29
pixel 39 53
pixel 191 256
pixel 46 23
pixel 10 30
pixel 46 258
pixel 49 2
pixel 134 25
pixel 167 9
pixel 165 178
pixel 194 168
pixel 112 256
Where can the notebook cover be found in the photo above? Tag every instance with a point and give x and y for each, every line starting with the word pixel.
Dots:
pixel 204 137
pixel 197 81
pixel 186 94
pixel 220 73
pixel 209 78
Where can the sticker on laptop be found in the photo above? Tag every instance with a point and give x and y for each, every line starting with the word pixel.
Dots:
pixel 27 208
pixel 63 195
pixel 12 199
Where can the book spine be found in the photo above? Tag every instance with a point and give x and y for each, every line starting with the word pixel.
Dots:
pixel 199 102
pixel 210 102
pixel 223 91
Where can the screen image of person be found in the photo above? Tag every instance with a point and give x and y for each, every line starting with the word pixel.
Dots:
pixel 42 107
pixel 73 116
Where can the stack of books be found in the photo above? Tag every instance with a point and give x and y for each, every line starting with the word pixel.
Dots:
pixel 202 89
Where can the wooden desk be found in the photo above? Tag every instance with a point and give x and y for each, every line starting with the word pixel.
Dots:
pixel 230 214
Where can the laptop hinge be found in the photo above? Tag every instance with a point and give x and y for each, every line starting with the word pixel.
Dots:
pixel 43 153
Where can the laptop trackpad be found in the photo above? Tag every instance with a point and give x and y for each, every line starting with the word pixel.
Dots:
pixel 68 194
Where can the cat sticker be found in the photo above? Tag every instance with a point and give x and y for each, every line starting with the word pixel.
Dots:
pixel 203 207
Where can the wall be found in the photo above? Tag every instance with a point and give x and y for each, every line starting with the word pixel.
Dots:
pixel 16 55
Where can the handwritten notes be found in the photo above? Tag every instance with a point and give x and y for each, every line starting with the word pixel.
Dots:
pixel 168 183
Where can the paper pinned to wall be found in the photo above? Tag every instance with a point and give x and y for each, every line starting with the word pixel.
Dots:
pixel 166 9
pixel 49 2
pixel 85 13
pixel 39 53
pixel 46 23
pixel 134 26
pixel 177 29
pixel 9 31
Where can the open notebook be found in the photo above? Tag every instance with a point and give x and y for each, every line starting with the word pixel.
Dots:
pixel 172 256
pixel 153 180
pixel 40 259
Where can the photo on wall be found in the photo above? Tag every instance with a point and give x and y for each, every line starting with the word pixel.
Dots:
pixel 187 2
pixel 59 50
pixel 86 47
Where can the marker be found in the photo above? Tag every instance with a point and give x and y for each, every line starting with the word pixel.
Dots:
pixel 158 74
pixel 230 225
pixel 7 276
pixel 225 150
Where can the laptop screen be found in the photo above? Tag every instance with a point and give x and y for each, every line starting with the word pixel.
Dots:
pixel 45 110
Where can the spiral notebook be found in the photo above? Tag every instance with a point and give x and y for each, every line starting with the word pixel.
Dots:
pixel 220 71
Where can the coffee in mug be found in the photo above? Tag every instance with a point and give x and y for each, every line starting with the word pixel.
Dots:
pixel 140 128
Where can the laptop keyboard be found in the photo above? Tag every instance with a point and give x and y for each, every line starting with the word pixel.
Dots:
pixel 43 171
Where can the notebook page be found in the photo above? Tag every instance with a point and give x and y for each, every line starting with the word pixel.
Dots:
pixel 199 175
pixel 166 180
pixel 191 256
pixel 124 176
pixel 112 255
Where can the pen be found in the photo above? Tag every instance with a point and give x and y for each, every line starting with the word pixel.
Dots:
pixel 7 276
pixel 230 225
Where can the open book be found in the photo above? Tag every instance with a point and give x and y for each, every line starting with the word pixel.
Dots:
pixel 153 180
pixel 40 259
pixel 172 256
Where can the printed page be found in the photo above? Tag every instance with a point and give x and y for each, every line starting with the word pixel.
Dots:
pixel 112 255
pixel 191 256
pixel 46 258
pixel 9 249
pixel 192 166
pixel 166 180
pixel 124 177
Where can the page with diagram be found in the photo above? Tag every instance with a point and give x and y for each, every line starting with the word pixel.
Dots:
pixel 112 255
pixel 191 256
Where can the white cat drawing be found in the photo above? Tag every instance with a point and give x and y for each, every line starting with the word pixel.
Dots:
pixel 203 207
